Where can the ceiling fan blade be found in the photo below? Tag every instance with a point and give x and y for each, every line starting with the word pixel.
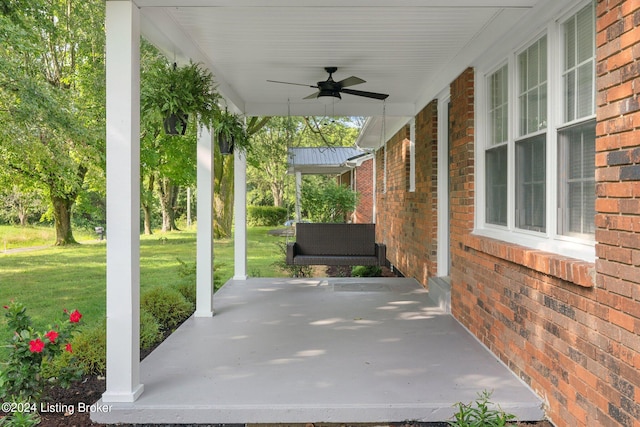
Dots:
pixel 313 95
pixel 351 81
pixel 289 83
pixel 373 95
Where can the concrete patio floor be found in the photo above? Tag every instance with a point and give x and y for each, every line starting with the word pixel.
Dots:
pixel 339 350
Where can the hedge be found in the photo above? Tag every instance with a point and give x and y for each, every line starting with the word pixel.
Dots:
pixel 266 216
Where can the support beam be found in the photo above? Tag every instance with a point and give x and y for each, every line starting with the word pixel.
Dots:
pixel 123 202
pixel 204 245
pixel 240 209
pixel 298 196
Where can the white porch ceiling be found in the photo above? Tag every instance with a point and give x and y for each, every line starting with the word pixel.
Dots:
pixel 408 49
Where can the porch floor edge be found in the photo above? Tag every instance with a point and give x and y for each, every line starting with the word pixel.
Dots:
pixel 304 414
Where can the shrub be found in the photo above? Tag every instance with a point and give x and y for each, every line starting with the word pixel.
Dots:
pixel 366 271
pixel 150 333
pixel 270 216
pixel 167 305
pixel 187 287
pixel 328 202
pixel 90 347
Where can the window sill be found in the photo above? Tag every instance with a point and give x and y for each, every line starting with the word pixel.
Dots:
pixel 576 271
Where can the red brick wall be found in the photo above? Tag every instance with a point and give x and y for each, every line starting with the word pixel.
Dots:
pixel 574 343
pixel 568 328
pixel 364 187
pixel 618 210
pixel 407 221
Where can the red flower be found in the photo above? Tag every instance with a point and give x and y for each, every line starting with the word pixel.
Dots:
pixel 68 348
pixel 6 307
pixel 75 316
pixel 52 335
pixel 36 346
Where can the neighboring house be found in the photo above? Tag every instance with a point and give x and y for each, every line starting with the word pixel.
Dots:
pixel 533 155
pixel 361 180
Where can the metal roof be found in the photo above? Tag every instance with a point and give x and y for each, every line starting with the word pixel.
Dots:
pixel 323 160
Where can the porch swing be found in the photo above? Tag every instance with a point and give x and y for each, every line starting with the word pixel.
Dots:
pixel 337 244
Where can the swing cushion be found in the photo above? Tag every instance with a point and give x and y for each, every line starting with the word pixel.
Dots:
pixel 335 244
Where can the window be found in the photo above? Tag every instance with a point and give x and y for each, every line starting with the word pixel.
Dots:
pixel 576 181
pixel 576 143
pixel 579 60
pixel 539 143
pixel 531 148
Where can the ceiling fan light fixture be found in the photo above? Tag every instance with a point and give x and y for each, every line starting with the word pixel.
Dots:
pixel 329 97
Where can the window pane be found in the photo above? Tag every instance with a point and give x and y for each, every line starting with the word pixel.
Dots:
pixel 585 102
pixel 531 183
pixel 532 88
pixel 498 107
pixel 569 96
pixel 585 29
pixel 579 55
pixel 496 185
pixel 576 180
pixel 570 44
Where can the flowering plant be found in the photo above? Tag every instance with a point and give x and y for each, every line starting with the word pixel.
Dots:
pixel 21 377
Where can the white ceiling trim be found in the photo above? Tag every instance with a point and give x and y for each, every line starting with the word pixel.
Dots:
pixel 338 3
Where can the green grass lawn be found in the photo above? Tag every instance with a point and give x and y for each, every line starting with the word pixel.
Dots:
pixel 19 237
pixel 52 279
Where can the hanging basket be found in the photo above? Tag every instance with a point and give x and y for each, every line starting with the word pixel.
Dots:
pixel 176 124
pixel 225 143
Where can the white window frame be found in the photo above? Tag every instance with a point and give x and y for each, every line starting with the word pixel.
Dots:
pixel 549 240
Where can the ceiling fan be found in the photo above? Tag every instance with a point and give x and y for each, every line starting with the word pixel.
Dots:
pixel 330 90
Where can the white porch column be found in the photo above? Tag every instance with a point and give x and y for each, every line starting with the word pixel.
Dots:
pixel 298 195
pixel 123 202
pixel 204 246
pixel 240 209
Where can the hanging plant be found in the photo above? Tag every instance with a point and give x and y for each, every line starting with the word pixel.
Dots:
pixel 230 132
pixel 174 93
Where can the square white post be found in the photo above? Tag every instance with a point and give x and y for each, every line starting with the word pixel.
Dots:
pixel 298 196
pixel 123 202
pixel 204 245
pixel 240 209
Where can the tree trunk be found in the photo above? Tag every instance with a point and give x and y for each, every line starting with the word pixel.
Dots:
pixel 168 195
pixel 277 191
pixel 223 194
pixel 62 216
pixel 147 203
pixel 22 216
pixel 146 210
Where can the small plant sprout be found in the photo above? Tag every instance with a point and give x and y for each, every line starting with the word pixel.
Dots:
pixel 481 413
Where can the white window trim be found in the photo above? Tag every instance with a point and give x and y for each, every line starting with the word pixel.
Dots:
pixel 550 240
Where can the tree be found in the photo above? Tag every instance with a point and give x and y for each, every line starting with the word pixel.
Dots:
pixel 20 202
pixel 268 156
pixel 52 98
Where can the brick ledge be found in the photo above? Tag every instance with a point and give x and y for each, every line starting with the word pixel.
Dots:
pixel 581 273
